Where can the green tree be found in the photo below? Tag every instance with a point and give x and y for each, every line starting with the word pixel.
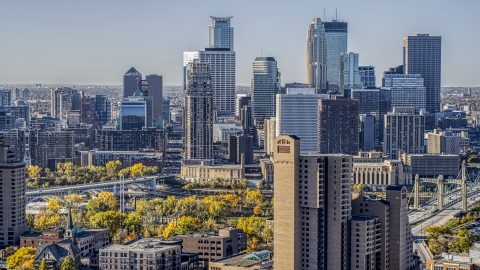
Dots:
pixel 109 219
pixel 43 265
pixel 18 258
pixel 133 223
pixel 68 264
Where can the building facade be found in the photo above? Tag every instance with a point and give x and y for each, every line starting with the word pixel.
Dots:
pixel 317 56
pixel 270 130
pixel 406 90
pixel 131 79
pixel 336 43
pixel 238 145
pixel 379 175
pixel 367 76
pixel 130 140
pixel 265 85
pixel 221 33
pixel 433 165
pixel 155 91
pixel 350 74
pixel 63 99
pixel 447 142
pixel 205 170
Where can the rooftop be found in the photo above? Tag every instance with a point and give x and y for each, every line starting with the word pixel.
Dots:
pixel 144 244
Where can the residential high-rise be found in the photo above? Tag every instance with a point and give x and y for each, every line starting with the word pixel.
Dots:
pixel 403 130
pixel 367 76
pixel 297 114
pixel 189 57
pixel 221 33
pixel 350 75
pixel 265 85
pixel 422 54
pixel 311 226
pixel 51 147
pixel 20 109
pixel 199 113
pixel 130 82
pixel 63 99
pixel 13 222
pixel 155 91
pixel 406 90
pixel 338 126
pixel 317 56
pixel 336 41
pixel 222 73
pixel 269 131
pixel 131 140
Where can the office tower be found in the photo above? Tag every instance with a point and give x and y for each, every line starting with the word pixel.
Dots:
pixel 447 142
pixel 199 113
pixel 155 91
pixel 102 108
pixel 350 76
pixel 26 94
pixel 338 126
pixel 166 111
pixel 130 82
pixel 221 33
pixel 63 99
pixel 269 132
pixel 403 130
pixel 265 85
pixel 5 97
pixel 317 56
pixel 131 140
pixel 240 101
pixel 311 209
pixel 367 132
pixel 189 57
pixel 222 73
pixel 133 114
pixel 367 76
pixel 395 70
pixel 297 114
pixel 13 222
pixel 240 145
pixel 406 90
pixel 336 41
pixel 20 110
pixel 422 54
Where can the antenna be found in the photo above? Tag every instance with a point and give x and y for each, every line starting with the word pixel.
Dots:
pixel 261 52
pixel 336 15
pixel 324 13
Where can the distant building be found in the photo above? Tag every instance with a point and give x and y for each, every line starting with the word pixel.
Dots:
pixel 63 99
pixel 100 158
pixel 102 109
pixel 130 82
pixel 221 33
pixel 130 140
pixel 47 148
pixel 367 76
pixel 189 57
pixel 350 75
pixel 240 101
pixel 134 114
pixel 432 165
pixel 394 70
pixel 269 131
pixel 336 37
pixel 406 90
pixel 254 260
pixel 265 85
pixel 55 253
pixel 380 174
pixel 155 91
pixel 447 142
pixel 166 111
pixel 316 57
pixel 206 170
pixel 367 132
pixel 239 145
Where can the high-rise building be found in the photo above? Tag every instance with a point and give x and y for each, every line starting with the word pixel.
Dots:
pixel 133 114
pixel 240 101
pixel 338 126
pixel 367 132
pixel 166 111
pixel 240 145
pixel 311 226
pixel 155 91
pixel 297 114
pixel 25 94
pixel 16 94
pixel 269 131
pixel 189 57
pixel 63 99
pixel 102 108
pixel 395 70
pixel 406 90
pixel 422 54
pixel 13 222
pixel 130 82
pixel 221 33
pixel 403 131
pixel 222 73
pixel 199 113
pixel 5 97
pixel 367 76
pixel 336 41
pixel 51 147
pixel 131 140
pixel 265 85
pixel 350 75
pixel 317 56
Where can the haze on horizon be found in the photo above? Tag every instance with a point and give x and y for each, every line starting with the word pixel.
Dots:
pixel 95 42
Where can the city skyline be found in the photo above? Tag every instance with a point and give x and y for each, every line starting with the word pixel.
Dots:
pixel 88 47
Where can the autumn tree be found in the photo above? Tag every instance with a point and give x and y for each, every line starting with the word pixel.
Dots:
pixel 113 168
pixel 133 223
pixel 68 264
pixel 130 237
pixel 137 170
pixel 253 197
pixel 186 225
pixel 33 171
pixel 43 265
pixel 105 201
pixel 108 219
pixel 23 257
pixel 169 230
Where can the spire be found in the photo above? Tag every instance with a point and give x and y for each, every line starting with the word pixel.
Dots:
pixel 70 220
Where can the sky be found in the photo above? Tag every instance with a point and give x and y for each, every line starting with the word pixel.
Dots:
pixel 96 42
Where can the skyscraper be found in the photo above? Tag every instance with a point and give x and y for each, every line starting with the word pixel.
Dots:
pixel 338 126
pixel 13 222
pixel 133 114
pixel 312 208
pixel 336 41
pixel 102 109
pixel 367 76
pixel 155 91
pixel 406 90
pixel 198 113
pixel 221 33
pixel 5 97
pixel 188 58
pixel 63 99
pixel 350 75
pixel 422 54
pixel 222 73
pixel 265 85
pixel 130 82
pixel 316 56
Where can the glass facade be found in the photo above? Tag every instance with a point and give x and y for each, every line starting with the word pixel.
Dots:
pixel 265 86
pixel 336 43
pixel 367 76
pixel 316 56
pixel 350 78
pixel 221 34
pixel 133 115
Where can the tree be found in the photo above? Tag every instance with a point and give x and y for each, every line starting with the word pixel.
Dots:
pixel 257 210
pixel 113 168
pixel 133 223
pixel 48 173
pixel 105 201
pixel 137 170
pixel 130 237
pixel 267 234
pixel 15 261
pixel 215 208
pixel 186 225
pixel 33 171
pixel 168 231
pixel 68 264
pixel 243 184
pixel 208 225
pixel 252 226
pixel 54 205
pixel 43 265
pixel 253 197
pixel 262 185
pixel 109 219
pixel 436 231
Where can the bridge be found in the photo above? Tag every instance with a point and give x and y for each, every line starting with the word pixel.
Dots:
pixel 115 187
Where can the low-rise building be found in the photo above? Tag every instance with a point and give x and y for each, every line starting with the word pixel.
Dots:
pixel 100 158
pixel 55 254
pixel 379 175
pixel 447 142
pixel 457 261
pixel 142 253
pixel 205 170
pixel 248 261
pixel 433 165
pixel 211 247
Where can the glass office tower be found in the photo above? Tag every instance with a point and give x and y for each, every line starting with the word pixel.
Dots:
pixel 336 41
pixel 316 56
pixel 265 86
pixel 221 34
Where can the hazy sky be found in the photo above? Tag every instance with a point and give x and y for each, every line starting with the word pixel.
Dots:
pixel 95 42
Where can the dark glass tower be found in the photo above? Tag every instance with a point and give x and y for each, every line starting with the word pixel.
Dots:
pixel 130 82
